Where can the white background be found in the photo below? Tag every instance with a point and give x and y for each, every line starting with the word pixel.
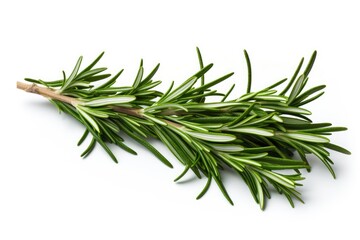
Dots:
pixel 48 192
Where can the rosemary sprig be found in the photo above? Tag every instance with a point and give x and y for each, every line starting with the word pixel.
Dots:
pixel 255 134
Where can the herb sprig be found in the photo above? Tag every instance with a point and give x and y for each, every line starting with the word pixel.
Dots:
pixel 255 135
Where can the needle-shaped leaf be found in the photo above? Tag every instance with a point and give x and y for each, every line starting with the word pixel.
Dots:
pixel 183 88
pixel 110 82
pixel 227 147
pixel 88 118
pixel 253 130
pixel 139 75
pixel 277 178
pixel 212 137
pixel 293 77
pixel 73 74
pixel 93 63
pixel 151 74
pixel 248 64
pixel 210 84
pixel 228 93
pixel 98 139
pixel 288 109
pixel 308 93
pixel 109 101
pixel 296 89
pixel 307 137
pixel 336 148
pixel 310 64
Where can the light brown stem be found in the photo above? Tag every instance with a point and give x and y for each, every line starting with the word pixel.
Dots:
pixel 46 92
pixel 50 93
pixel 129 111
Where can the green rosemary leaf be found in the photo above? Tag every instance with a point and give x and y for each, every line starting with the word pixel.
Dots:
pixel 149 147
pixel 98 138
pixel 194 97
pixel 93 112
pixel 165 106
pixel 276 84
pixel 92 64
pixel 179 91
pixel 190 125
pixel 154 119
pixel 216 119
pixel 151 74
pixel 89 73
pixel 88 118
pixel 246 97
pixel 96 78
pixel 112 90
pixel 227 147
pixel 212 105
pixel 242 115
pixel 305 126
pixel 109 101
pixel 257 121
pixel 148 86
pixel 139 75
pixel 310 99
pixel 168 91
pixel 324 129
pixel 271 98
pixel 212 137
pixel 295 121
pixel 183 88
pixel 336 148
pixel 281 161
pixel 205 189
pixel 248 64
pixel 293 77
pixel 310 64
pixel 186 169
pixel 276 177
pixel 72 76
pixel 237 165
pixel 89 149
pixel 228 93
pixel 306 94
pixel 259 149
pixel 223 190
pixel 56 83
pixel 241 160
pixel 253 155
pixel 83 137
pixel 110 82
pixel 253 130
pixel 201 65
pixel 210 84
pixel 288 109
pixel 307 137
pixel 277 118
pixel 173 148
pixel 111 125
pixel 296 89
pixel 260 193
pixel 125 147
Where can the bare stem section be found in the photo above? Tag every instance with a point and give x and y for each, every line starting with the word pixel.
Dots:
pixel 50 93
pixel 46 92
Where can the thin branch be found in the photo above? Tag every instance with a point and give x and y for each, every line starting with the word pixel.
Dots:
pixel 46 92
pixel 50 93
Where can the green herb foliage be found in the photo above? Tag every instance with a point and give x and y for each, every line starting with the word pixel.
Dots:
pixel 255 135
